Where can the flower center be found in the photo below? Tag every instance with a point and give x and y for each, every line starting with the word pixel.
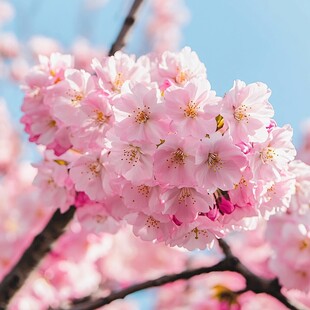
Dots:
pixel 52 124
pixel 118 82
pixel 214 161
pixel 304 244
pixel 75 97
pixel 267 154
pixel 100 118
pixel 144 190
pixel 151 222
pixel 178 157
pixel 197 232
pixel 241 113
pixel 132 154
pixel 94 168
pixel 185 193
pixel 191 110
pixel 182 76
pixel 142 117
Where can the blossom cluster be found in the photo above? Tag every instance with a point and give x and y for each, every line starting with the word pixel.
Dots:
pixel 289 235
pixel 148 141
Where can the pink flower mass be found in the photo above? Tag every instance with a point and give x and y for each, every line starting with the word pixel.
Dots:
pixel 145 174
pixel 180 161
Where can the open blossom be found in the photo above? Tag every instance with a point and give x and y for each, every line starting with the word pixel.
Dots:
pixel 94 218
pixel 271 157
pixel 90 174
pixel 132 160
pixel 276 196
pixel 40 123
pixel 151 227
pixel 180 68
pixel 174 162
pixel 55 186
pixel 247 112
pixel 196 235
pixel 143 197
pixel 185 203
pixel 96 118
pixel 219 163
pixel 144 120
pixel 192 108
pixel 115 71
pixel 66 96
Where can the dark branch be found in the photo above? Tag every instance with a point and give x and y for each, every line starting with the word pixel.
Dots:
pixel 254 283
pixel 185 275
pixel 127 25
pixel 40 246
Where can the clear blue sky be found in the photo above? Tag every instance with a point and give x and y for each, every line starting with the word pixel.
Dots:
pixel 257 40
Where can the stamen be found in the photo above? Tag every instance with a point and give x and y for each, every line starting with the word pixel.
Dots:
pixel 241 113
pixel 214 161
pixel 267 155
pixel 191 110
pixel 151 222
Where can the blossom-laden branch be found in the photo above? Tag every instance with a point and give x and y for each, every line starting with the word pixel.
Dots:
pixel 42 243
pixel 40 246
pixel 230 262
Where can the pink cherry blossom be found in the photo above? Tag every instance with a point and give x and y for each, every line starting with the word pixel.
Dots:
pixel 247 112
pixel 219 163
pixel 185 203
pixel 180 67
pixel 174 162
pixel 271 157
pixel 90 174
pixel 192 108
pixel 114 71
pixel 144 120
pixel 55 186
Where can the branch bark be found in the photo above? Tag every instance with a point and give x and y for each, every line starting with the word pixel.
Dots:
pixel 40 246
pixel 229 263
pixel 120 41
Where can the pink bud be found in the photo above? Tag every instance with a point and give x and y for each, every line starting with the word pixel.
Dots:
pixel 213 214
pixel 225 205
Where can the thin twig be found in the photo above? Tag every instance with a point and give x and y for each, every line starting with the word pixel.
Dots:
pixel 40 246
pixel 127 25
pixel 185 275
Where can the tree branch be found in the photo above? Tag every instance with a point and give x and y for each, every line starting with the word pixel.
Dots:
pixel 40 246
pixel 185 275
pixel 254 283
pixel 127 25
